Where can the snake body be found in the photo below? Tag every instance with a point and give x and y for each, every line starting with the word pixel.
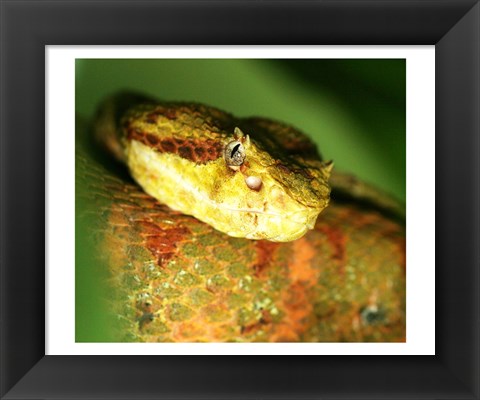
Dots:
pixel 176 278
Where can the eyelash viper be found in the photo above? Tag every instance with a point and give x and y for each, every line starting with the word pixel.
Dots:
pixel 175 278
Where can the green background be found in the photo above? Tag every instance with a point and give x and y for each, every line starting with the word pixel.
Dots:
pixel 355 110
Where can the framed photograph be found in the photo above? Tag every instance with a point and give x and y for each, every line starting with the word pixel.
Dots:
pixel 147 275
pixel 213 188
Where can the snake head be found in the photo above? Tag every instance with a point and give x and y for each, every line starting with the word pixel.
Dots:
pixel 270 194
pixel 261 181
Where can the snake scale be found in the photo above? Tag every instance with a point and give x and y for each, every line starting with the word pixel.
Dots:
pixel 174 278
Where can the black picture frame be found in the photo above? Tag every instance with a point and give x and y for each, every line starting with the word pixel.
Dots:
pixel 453 26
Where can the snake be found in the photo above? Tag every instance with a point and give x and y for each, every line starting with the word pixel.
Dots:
pixel 213 228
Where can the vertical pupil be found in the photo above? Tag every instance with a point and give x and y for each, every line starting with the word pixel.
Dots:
pixel 234 150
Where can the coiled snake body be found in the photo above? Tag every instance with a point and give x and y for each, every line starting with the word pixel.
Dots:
pixel 175 278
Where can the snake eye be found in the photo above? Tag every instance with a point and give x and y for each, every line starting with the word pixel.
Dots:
pixel 234 154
